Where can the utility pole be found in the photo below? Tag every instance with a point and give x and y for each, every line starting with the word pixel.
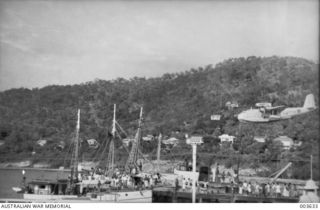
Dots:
pixel 194 141
pixel 194 159
pixel 158 152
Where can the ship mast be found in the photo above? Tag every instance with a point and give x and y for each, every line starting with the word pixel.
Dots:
pixel 110 163
pixel 133 156
pixel 75 157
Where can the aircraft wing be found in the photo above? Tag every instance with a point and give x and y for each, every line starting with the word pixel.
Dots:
pixel 274 107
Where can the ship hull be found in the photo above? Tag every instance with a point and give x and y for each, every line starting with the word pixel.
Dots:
pixel 144 196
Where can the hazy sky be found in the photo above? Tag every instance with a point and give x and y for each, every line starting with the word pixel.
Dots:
pixel 67 42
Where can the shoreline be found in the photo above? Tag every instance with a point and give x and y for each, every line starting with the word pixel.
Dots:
pixel 39 166
pixel 32 168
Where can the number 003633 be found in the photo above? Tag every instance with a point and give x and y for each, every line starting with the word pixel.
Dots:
pixel 309 205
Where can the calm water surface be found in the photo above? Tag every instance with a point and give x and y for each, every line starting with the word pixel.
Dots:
pixel 13 178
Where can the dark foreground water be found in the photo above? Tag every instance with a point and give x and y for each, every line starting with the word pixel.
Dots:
pixel 13 178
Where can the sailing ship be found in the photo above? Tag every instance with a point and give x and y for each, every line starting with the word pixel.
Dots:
pixel 77 189
pixel 95 187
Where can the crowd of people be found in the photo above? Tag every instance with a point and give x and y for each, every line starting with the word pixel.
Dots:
pixel 123 180
pixel 268 189
pixel 120 179
pixel 247 188
pixel 186 184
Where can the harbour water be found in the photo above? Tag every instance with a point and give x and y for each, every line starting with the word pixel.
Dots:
pixel 12 177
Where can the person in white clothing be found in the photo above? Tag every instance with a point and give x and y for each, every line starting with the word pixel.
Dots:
pixel 285 192
pixel 278 190
pixel 241 189
pixel 183 184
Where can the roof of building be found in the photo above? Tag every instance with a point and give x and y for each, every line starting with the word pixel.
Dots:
pixel 223 136
pixel 283 138
pixel 92 141
pixel 260 139
pixel 147 138
pixel 172 140
pixel 310 185
pixel 41 142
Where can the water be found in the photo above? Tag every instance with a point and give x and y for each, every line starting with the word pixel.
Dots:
pixel 13 178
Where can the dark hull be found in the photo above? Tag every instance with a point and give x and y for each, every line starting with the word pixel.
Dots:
pixel 169 195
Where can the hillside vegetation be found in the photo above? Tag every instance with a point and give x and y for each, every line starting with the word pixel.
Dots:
pixel 174 104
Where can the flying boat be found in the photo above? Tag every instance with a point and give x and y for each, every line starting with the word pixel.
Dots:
pixel 265 112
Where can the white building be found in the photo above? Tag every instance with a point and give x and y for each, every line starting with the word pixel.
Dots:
pixel 41 142
pixel 215 117
pixel 287 142
pixel 232 105
pixel 127 141
pixel 148 138
pixel 172 140
pixel 226 138
pixel 259 139
pixel 93 143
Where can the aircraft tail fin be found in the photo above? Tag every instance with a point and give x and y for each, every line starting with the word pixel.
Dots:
pixel 309 103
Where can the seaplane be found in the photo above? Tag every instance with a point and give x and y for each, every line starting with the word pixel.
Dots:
pixel 265 112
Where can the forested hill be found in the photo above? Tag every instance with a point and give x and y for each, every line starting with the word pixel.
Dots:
pixel 180 102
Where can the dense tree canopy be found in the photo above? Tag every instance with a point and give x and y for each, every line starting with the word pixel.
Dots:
pixel 180 102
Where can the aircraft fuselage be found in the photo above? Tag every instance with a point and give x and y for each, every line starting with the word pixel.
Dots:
pixel 255 115
pixel 269 114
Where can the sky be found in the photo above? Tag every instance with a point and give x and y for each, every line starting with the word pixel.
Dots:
pixel 70 42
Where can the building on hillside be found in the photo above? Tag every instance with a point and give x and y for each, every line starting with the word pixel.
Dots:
pixel 198 139
pixel 260 139
pixel 172 141
pixel 287 142
pixel 126 141
pixel 148 138
pixel 263 104
pixel 232 105
pixel 41 142
pixel 216 117
pixel 93 143
pixel 226 138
